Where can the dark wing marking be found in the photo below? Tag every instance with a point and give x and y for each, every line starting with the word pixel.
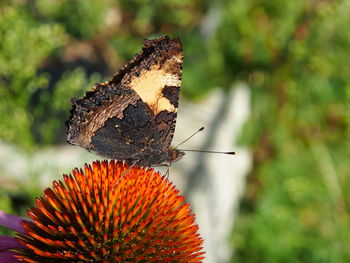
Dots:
pixel 90 113
pixel 166 121
pixel 125 138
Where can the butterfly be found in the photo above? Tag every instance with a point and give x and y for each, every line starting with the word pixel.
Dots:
pixel 132 117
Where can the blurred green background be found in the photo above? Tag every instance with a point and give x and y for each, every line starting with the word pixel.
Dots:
pixel 293 54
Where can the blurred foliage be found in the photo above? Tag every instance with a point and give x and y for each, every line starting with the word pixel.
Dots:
pixel 294 56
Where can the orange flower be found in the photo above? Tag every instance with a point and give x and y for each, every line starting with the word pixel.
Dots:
pixel 108 213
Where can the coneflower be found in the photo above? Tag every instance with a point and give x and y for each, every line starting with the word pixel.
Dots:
pixel 110 212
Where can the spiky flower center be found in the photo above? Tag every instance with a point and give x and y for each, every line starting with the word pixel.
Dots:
pixel 111 212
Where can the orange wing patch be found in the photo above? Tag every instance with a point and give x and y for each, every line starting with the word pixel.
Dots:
pixel 149 87
pixel 150 84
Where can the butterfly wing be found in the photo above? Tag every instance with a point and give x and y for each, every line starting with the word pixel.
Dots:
pixel 135 112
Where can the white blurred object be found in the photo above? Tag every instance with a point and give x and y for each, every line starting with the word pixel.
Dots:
pixel 40 166
pixel 214 183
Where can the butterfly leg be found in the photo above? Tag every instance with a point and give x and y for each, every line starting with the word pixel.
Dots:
pixel 167 173
pixel 127 170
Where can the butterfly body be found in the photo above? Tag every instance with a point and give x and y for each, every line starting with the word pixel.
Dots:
pixel 133 116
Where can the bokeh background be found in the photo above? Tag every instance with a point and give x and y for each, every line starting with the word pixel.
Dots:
pixel 292 57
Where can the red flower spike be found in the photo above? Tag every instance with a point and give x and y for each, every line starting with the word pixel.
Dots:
pixel 109 212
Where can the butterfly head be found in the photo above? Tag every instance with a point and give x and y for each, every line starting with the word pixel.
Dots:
pixel 174 154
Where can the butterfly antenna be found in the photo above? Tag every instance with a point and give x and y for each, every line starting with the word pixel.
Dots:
pixel 200 129
pixel 204 151
pixel 201 151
